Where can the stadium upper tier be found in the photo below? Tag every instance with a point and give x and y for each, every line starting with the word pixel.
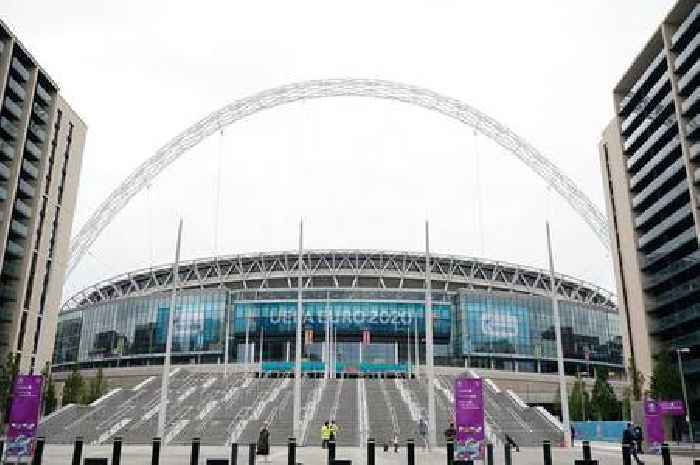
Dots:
pixel 353 269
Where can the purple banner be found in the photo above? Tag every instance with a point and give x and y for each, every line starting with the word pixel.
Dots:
pixel 653 425
pixel 672 407
pixel 24 416
pixel 469 419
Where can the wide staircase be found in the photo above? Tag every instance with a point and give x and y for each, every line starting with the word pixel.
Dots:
pixel 221 409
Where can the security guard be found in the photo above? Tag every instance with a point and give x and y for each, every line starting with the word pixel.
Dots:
pixel 325 435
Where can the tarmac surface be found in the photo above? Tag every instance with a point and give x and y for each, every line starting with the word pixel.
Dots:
pixel 606 454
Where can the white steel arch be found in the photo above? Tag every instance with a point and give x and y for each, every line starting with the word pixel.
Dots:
pixel 379 89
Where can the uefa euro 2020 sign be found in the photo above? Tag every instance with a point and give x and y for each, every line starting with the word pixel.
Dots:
pixel 469 419
pixel 24 418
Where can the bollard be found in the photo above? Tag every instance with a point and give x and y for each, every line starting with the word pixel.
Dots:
pixel 2 449
pixel 489 454
pixel 547 452
pixel 665 454
pixel 194 452
pixel 370 451
pixel 411 452
pixel 450 452
pixel 587 450
pixel 251 453
pixel 117 451
pixel 38 452
pixel 77 450
pixel 626 459
pixel 234 453
pixel 292 451
pixel 507 457
pixel 155 452
pixel 331 451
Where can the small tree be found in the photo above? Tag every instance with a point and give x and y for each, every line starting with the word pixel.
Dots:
pixel 603 401
pixel 636 379
pixel 96 388
pixel 73 388
pixel 665 380
pixel 49 396
pixel 579 402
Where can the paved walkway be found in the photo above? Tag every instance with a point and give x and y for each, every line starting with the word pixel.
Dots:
pixel 606 454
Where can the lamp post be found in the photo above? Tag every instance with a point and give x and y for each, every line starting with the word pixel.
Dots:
pixel 685 350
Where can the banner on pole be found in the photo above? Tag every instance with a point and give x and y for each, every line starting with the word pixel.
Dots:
pixel 653 425
pixel 469 418
pixel 24 417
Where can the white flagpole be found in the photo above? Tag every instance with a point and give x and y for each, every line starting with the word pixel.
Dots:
pixel 297 357
pixel 432 424
pixel 564 395
pixel 169 340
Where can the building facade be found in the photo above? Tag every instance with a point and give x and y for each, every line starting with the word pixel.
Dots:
pixel 650 158
pixel 485 314
pixel 41 145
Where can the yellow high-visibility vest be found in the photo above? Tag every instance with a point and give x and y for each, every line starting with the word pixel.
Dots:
pixel 325 432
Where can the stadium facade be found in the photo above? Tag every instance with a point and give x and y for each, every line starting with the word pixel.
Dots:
pixel 486 314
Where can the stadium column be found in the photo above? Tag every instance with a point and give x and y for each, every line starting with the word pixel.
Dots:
pixel 564 396
pixel 297 356
pixel 169 340
pixel 432 424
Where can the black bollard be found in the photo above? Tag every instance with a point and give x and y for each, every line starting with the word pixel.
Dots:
pixel 251 453
pixel 292 451
pixel 586 450
pixel 450 452
pixel 665 454
pixel 489 454
pixel 194 452
pixel 77 451
pixel 234 453
pixel 370 451
pixel 2 449
pixel 38 452
pixel 626 459
pixel 411 452
pixel 506 452
pixel 331 452
pixel 117 451
pixel 547 452
pixel 155 452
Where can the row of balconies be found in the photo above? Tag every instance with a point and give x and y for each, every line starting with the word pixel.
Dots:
pixel 684 291
pixel 651 101
pixel 686 31
pixel 657 211
pixel 658 162
pixel 688 81
pixel 647 80
pixel 16 89
pixel 8 129
pixel 680 219
pixel 681 317
pixel 653 144
pixel 12 109
pixel 678 270
pixel 659 115
pixel 672 249
pixel 7 151
pixel 661 184
pixel 18 70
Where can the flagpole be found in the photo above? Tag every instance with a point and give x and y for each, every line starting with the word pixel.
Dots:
pixel 169 340
pixel 564 395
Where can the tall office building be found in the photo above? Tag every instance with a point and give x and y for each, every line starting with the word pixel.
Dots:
pixel 41 148
pixel 650 156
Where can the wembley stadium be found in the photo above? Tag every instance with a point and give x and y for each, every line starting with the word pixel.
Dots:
pixel 486 314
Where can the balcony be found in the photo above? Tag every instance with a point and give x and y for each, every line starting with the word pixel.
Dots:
pixel 3 193
pixel 678 292
pixel 31 151
pixel 683 317
pixel 19 70
pixel 682 218
pixel 8 128
pixel 690 104
pixel 17 229
pixel 29 168
pixel 43 94
pixel 660 161
pixel 654 143
pixel 689 81
pixel 5 172
pixel 12 269
pixel 16 90
pixel 7 151
pixel 693 128
pixel 646 81
pixel 661 184
pixel 14 110
pixel 669 249
pixel 678 195
pixel 40 113
pixel 660 90
pixel 25 190
pixel 7 294
pixel 22 209
pixel 694 151
pixel 686 264
pixel 656 118
pixel 686 30
pixel 13 249
pixel 689 56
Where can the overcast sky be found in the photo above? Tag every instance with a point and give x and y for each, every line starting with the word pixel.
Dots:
pixel 363 173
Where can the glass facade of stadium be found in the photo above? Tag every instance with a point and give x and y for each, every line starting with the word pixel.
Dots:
pixel 472 327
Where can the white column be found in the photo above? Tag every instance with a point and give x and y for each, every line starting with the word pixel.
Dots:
pixel 296 418
pixel 564 395
pixel 262 343
pixel 396 352
pixel 246 359
pixel 169 340
pixel 327 342
pixel 416 345
pixel 226 335
pixel 287 351
pixel 408 351
pixel 432 424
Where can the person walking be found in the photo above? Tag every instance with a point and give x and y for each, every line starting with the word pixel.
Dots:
pixel 396 442
pixel 638 438
pixel 422 430
pixel 325 435
pixel 628 440
pixel 263 445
